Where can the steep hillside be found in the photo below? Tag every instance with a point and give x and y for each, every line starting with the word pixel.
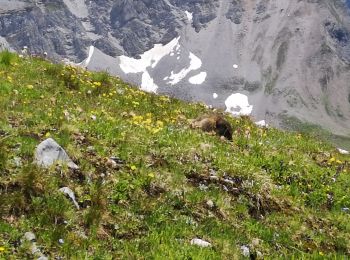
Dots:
pixel 145 185
pixel 290 58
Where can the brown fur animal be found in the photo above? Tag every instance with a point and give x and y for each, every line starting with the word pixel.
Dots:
pixel 214 123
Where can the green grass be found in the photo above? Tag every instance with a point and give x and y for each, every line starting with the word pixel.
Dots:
pixel 285 200
pixel 314 131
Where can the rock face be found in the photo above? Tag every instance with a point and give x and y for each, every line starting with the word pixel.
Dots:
pixel 49 152
pixel 288 58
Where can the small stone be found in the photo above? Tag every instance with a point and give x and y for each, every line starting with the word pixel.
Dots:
pixel 17 161
pixel 34 249
pixel 256 242
pixel 93 117
pixel 111 163
pixel 29 236
pixel 210 204
pixel 70 194
pixel 43 258
pixel 200 242
pixel 205 147
pixel 61 241
pixel 203 187
pixel 259 254
pixel 345 209
pixel 245 251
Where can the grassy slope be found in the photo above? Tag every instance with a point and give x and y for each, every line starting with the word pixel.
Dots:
pixel 154 203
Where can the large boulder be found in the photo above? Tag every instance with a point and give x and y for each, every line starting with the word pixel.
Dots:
pixel 49 152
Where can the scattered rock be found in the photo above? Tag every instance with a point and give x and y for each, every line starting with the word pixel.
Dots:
pixel 61 241
pixel 245 251
pixel 200 242
pixel 70 194
pixel 210 204
pixel 256 242
pixel 49 152
pixel 17 161
pixel 345 209
pixel 43 258
pixel 29 236
pixel 111 163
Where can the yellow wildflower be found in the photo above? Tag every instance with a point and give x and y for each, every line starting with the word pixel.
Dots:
pixel 133 167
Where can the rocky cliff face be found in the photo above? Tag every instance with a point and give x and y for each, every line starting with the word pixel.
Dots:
pixel 289 58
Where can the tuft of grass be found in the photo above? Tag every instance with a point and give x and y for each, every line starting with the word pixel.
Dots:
pixel 6 58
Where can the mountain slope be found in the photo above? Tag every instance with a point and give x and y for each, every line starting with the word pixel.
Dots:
pixel 147 184
pixel 290 58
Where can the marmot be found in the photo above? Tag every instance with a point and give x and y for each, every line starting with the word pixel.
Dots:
pixel 214 123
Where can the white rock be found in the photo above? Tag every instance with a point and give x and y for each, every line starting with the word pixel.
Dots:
pixel 70 194
pixel 61 241
pixel 200 242
pixel 245 250
pixel 17 161
pixel 49 152
pixel 235 66
pixel 215 96
pixel 341 151
pixel 210 204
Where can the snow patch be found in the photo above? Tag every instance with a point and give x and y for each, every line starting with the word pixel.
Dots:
pixel 148 83
pixel 189 16
pixel 237 104
pixel 195 64
pixel 261 123
pixel 215 96
pixel 341 151
pixel 149 58
pixel 235 66
pixel 198 79
pixel 86 62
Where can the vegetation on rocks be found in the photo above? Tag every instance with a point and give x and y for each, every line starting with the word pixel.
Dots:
pixel 147 184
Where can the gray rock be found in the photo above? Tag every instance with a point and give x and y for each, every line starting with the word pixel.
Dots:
pixel 70 194
pixel 33 248
pixel 245 251
pixel 49 152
